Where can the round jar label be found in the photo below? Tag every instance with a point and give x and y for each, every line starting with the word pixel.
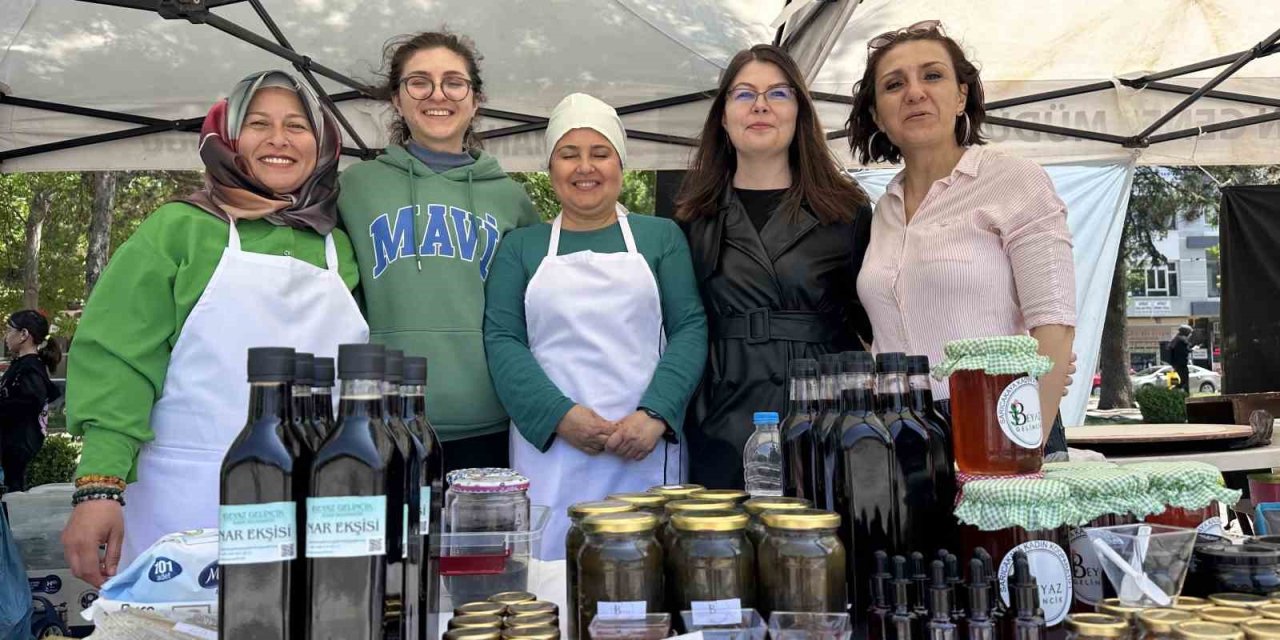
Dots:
pixel 1212 526
pixel 1052 571
pixel 1018 412
pixel 1086 569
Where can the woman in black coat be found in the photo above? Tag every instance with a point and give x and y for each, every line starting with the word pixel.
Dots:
pixel 25 394
pixel 777 232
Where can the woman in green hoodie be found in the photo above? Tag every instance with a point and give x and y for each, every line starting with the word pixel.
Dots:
pixel 425 219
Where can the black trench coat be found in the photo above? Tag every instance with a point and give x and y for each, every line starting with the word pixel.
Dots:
pixel 788 291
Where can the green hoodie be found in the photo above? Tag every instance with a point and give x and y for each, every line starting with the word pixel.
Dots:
pixel 424 242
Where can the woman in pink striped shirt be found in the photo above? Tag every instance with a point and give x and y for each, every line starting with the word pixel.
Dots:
pixel 966 242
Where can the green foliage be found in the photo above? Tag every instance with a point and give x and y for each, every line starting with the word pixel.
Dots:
pixel 56 461
pixel 639 190
pixel 1160 405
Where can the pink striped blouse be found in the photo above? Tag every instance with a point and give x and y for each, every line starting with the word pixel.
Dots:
pixel 987 253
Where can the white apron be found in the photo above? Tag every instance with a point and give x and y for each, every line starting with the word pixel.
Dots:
pixel 252 300
pixel 595 327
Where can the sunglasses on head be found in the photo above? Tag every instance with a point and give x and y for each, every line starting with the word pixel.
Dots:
pixel 889 37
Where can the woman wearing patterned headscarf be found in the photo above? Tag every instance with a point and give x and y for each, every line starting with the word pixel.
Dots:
pixel 252 259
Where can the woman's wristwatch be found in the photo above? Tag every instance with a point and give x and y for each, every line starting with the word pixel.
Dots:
pixel 669 434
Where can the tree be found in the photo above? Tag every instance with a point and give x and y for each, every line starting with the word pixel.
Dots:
pixel 103 186
pixel 37 212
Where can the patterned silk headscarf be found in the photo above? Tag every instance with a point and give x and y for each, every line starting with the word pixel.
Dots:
pixel 231 191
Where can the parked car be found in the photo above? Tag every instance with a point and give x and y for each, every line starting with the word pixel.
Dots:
pixel 1202 380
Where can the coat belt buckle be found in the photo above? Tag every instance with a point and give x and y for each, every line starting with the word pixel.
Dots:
pixel 758 330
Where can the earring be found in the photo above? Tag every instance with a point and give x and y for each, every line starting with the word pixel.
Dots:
pixel 964 142
pixel 871 143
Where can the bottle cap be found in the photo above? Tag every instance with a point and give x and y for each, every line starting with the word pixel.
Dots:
pixel 857 362
pixel 323 372
pixel 415 370
pixel 361 361
pixel 891 362
pixel 304 369
pixel 270 364
pixel 393 366
pixel 765 417
pixel 917 365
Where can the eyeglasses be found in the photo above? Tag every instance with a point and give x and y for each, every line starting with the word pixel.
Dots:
pixel 422 88
pixel 889 37
pixel 780 93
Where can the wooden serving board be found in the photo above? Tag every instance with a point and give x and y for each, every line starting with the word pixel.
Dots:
pixel 1138 433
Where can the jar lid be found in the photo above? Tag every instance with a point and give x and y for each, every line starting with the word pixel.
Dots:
pixel 528 609
pixel 483 608
pixel 1227 615
pixel 1262 630
pixel 1270 610
pixel 475 621
pixel 1186 485
pixel 1242 600
pixel 996 355
pixel 545 632
pixel 1113 607
pixel 1099 491
pixel 538 620
pixel 710 521
pixel 1265 478
pixel 676 491
pixel 583 509
pixel 1191 603
pixel 1097 624
pixel 489 481
pixel 1071 465
pixel 691 504
pixel 1035 504
pixel 721 494
pixel 513 597
pixel 640 499
pixel 801 520
pixel 1162 620
pixel 632 522
pixel 1249 554
pixel 474 633
pixel 1201 630
pixel 757 506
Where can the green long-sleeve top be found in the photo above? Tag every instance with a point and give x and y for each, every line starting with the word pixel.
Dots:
pixel 532 400
pixel 118 359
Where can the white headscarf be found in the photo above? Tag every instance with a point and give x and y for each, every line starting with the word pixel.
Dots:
pixel 581 111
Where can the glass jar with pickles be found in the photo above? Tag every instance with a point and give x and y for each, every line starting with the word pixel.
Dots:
pixel 667 533
pixel 531 633
pixel 676 491
pixel 621 562
pixel 1261 630
pixel 1229 615
pixel 736 496
pixel 1157 624
pixel 712 559
pixel 801 563
pixel 573 541
pixel 1201 630
pixel 1096 626
pixel 653 503
pixel 756 507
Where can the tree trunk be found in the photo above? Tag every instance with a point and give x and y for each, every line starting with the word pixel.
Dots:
pixel 1117 389
pixel 38 211
pixel 103 187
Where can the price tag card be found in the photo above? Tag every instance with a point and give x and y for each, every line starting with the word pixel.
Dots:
pixel 708 613
pixel 622 610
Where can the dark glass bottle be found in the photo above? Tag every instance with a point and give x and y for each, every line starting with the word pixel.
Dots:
pixel 917 502
pixel 322 396
pixel 920 399
pixel 863 474
pixel 830 409
pixel 940 625
pixel 259 593
pixel 903 619
pixel 880 620
pixel 413 394
pixel 979 624
pixel 348 529
pixel 799 428
pixel 404 557
pixel 1029 625
pixel 303 412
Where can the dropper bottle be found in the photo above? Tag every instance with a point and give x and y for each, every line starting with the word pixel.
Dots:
pixel 940 626
pixel 1029 624
pixel 880 620
pixel 904 621
pixel 958 593
pixel 980 625
pixel 920 578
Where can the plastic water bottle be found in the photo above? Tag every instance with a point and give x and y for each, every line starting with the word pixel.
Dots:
pixel 762 457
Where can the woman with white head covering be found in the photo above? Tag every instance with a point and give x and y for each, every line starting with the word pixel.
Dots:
pixel 594 329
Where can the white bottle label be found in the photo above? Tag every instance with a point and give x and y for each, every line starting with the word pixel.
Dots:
pixel 424 513
pixel 1018 412
pixel 635 610
pixel 707 613
pixel 257 533
pixel 1086 569
pixel 346 527
pixel 1212 526
pixel 1052 570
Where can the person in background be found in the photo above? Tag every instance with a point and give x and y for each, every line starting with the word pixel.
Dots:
pixel 428 216
pixel 594 329
pixel 25 393
pixel 157 385
pixel 1180 357
pixel 777 232
pixel 966 242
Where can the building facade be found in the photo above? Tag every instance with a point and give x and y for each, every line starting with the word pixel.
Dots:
pixel 1186 290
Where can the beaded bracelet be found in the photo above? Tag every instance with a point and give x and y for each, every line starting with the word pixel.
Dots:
pixel 93 480
pixel 86 494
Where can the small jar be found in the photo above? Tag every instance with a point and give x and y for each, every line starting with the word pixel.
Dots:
pixel 711 560
pixel 667 533
pixel 652 503
pixel 1191 604
pixel 757 507
pixel 1242 600
pixel 539 620
pixel 1228 615
pixel 1095 626
pixel 1262 630
pixel 473 634
pixel 574 538
pixel 801 563
pixel 1252 567
pixel 1270 611
pixel 620 562
pixel 676 491
pixel 1206 519
pixel 487 501
pixel 735 496
pixel 1157 624
pixel 532 633
pixel 483 608
pixel 535 608
pixel 1201 630
pixel 513 597
pixel 1191 492
pixel 475 621
pixel 1113 607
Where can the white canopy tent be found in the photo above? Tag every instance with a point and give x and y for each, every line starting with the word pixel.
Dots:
pixel 1094 85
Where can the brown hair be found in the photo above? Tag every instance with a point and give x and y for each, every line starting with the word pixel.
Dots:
pixel 862 127
pixel 396 54
pixel 817 179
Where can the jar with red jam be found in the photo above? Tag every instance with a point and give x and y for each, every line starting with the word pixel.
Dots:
pixel 1030 515
pixel 997 428
pixel 1192 493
